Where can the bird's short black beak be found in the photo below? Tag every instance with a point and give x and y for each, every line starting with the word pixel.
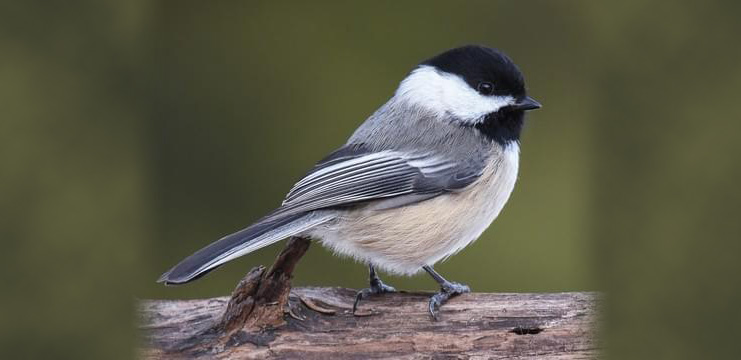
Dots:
pixel 526 103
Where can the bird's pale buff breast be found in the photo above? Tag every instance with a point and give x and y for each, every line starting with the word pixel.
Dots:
pixel 404 239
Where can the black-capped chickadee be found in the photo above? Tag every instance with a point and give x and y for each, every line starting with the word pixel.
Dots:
pixel 419 180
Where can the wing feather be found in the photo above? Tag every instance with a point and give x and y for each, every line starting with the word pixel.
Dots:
pixel 356 176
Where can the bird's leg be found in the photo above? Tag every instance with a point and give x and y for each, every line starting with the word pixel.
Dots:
pixel 447 290
pixel 376 287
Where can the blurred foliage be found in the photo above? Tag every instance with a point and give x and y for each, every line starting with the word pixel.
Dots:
pixel 134 132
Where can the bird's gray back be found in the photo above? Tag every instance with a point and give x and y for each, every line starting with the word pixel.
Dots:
pixel 398 126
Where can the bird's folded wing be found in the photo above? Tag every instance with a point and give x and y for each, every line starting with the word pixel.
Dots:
pixel 353 175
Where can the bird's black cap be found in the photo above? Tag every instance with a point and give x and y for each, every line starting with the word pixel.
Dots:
pixel 476 64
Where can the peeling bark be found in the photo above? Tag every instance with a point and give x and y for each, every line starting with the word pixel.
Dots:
pixel 490 326
pixel 264 318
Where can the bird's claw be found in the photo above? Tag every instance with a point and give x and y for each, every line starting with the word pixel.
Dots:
pixel 447 291
pixel 376 287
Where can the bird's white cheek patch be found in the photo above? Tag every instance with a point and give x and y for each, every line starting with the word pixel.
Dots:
pixel 446 93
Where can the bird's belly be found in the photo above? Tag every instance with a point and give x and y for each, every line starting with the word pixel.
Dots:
pixel 402 240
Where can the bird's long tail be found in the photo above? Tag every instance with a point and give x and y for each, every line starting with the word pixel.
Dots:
pixel 268 230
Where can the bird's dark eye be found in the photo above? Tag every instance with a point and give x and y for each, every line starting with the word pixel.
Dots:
pixel 485 88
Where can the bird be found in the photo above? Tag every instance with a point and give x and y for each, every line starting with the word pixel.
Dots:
pixel 418 180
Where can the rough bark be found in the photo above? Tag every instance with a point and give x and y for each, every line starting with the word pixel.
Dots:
pixel 260 299
pixel 522 326
pixel 264 318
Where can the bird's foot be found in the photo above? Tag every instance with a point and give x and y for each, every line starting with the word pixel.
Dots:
pixel 447 291
pixel 376 287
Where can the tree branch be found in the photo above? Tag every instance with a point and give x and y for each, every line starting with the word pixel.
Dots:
pixel 265 319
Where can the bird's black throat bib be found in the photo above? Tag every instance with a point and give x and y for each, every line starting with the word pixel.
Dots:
pixel 503 126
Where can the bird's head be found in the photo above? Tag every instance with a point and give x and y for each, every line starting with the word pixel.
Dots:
pixel 473 86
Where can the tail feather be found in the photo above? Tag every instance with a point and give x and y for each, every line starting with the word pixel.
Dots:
pixel 268 230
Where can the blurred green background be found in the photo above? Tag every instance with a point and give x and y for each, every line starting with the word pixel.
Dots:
pixel 133 133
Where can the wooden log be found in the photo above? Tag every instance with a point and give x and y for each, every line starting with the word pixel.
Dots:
pixel 476 325
pixel 265 319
